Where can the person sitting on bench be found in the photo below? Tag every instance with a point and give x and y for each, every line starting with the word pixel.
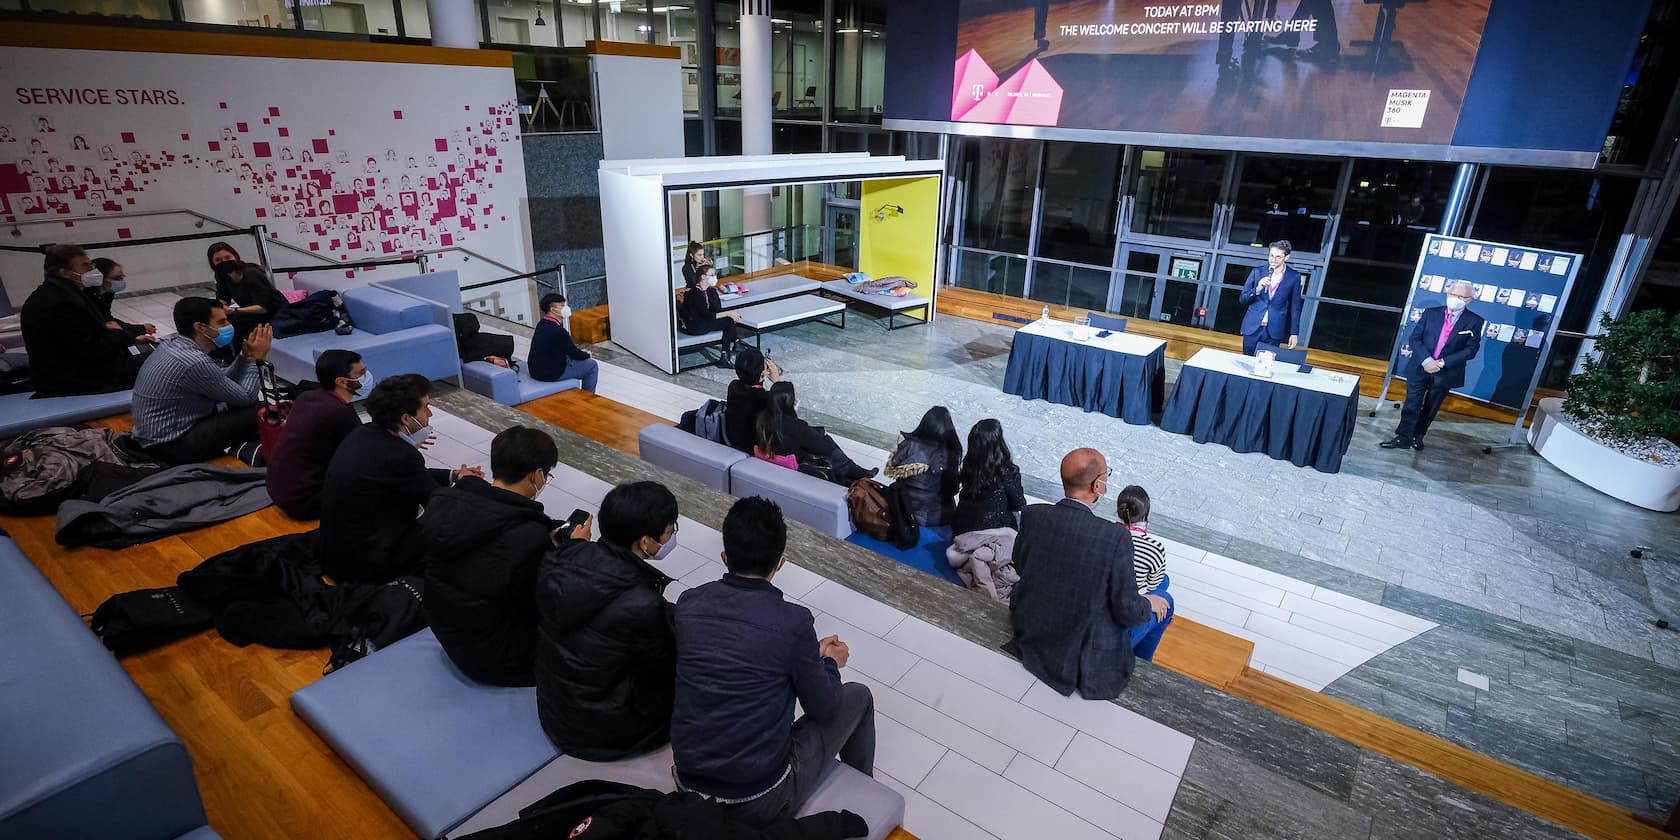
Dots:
pixel 701 311
pixel 484 542
pixel 244 289
pixel 781 434
pixel 320 420
pixel 747 397
pixel 377 483
pixel 554 356
pixel 73 347
pixel 180 389
pixel 105 294
pixel 745 654
pixel 605 654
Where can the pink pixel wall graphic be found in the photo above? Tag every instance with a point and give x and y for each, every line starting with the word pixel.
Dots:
pixel 347 160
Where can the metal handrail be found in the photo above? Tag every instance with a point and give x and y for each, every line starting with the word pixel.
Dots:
pixel 557 268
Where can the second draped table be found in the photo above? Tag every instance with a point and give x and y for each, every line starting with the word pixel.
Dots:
pixel 1306 419
pixel 1120 375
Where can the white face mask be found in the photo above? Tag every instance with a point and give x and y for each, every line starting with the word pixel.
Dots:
pixel 92 279
pixel 1456 304
pixel 418 436
pixel 665 549
pixel 565 311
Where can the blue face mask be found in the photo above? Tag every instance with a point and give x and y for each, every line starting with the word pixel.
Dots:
pixel 118 285
pixel 224 336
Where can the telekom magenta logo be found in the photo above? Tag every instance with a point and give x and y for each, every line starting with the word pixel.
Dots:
pixel 1030 97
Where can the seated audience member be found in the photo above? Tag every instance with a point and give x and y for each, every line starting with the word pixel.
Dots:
pixel 1149 564
pixel 73 347
pixel 1077 601
pixel 745 654
pixel 244 289
pixel 605 655
pixel 377 483
pixel 484 542
pixel 991 495
pixel 701 311
pixel 747 397
pixel 319 421
pixel 554 356
pixel 787 441
pixel 188 407
pixel 105 294
pixel 925 467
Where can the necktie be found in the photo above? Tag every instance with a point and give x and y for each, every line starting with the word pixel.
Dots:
pixel 1446 333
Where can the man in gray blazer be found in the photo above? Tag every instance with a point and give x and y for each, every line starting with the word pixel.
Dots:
pixel 1078 595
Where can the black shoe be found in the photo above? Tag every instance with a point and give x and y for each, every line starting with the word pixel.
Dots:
pixel 1418 444
pixel 1395 442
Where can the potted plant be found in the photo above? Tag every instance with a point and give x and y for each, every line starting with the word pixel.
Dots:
pixel 1616 430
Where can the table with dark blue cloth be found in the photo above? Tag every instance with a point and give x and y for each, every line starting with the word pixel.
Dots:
pixel 1303 418
pixel 1119 375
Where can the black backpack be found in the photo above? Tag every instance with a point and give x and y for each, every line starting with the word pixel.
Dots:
pixel 131 622
pixel 474 345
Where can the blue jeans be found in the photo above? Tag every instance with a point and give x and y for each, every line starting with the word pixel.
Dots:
pixel 587 370
pixel 1146 637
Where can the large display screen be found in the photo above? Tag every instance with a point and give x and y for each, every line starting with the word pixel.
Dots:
pixel 1347 70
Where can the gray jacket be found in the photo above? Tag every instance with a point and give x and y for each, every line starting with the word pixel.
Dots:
pixel 173 500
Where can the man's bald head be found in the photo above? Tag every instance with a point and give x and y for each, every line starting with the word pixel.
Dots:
pixel 1081 470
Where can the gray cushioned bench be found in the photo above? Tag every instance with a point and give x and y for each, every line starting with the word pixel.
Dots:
pixel 19 413
pixel 890 304
pixel 508 386
pixel 84 752
pixel 705 461
pixel 808 499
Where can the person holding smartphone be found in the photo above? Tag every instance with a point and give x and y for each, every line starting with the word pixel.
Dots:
pixel 484 542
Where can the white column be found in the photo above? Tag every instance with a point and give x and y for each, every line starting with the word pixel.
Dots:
pixel 756 86
pixel 454 23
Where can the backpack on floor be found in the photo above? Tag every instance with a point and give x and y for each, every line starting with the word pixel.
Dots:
pixel 130 622
pixel 475 345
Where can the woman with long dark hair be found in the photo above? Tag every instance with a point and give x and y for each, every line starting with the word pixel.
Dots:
pixel 925 465
pixel 991 495
pixel 781 436
pixel 245 289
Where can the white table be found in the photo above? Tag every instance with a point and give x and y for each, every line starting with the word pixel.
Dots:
pixel 1283 373
pixel 789 312
pixel 1306 419
pixel 768 289
pixel 1119 342
pixel 891 304
pixel 1120 375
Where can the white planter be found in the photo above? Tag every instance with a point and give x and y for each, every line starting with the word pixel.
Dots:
pixel 1598 466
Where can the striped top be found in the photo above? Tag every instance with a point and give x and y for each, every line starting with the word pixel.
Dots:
pixel 180 385
pixel 1149 559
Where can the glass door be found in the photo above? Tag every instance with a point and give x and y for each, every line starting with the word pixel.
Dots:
pixel 1174 196
pixel 840 236
pixel 1162 284
pixel 1289 198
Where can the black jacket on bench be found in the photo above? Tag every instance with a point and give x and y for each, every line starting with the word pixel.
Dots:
pixel 483 546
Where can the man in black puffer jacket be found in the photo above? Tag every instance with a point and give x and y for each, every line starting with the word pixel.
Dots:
pixel 484 542
pixel 606 655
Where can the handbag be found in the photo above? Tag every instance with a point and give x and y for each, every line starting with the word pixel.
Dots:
pixel 866 504
pixel 271 418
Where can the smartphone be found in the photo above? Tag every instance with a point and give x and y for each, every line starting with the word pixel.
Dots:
pixel 1105 334
pixel 572 522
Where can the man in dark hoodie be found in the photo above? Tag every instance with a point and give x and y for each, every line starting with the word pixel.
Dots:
pixel 606 656
pixel 484 541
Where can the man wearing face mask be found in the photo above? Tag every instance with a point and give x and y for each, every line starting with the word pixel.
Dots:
pixel 190 408
pixel 72 348
pixel 318 422
pixel 606 655
pixel 1445 339
pixel 376 485
pixel 554 356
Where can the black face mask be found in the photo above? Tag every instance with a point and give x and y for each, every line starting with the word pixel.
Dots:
pixel 226 268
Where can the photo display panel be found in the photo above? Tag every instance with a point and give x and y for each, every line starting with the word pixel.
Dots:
pixel 1520 292
pixel 1337 70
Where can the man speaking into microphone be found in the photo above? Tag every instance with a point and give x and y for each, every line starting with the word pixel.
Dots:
pixel 1273 297
pixel 1445 339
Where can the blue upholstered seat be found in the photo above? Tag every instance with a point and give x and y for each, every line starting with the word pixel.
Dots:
pixel 508 386
pixel 817 503
pixel 19 413
pixel 705 461
pixel 394 333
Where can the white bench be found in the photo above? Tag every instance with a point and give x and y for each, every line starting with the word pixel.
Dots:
pixel 789 312
pixel 891 304
pixel 769 289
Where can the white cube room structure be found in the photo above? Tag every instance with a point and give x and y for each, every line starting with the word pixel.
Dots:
pixel 637 232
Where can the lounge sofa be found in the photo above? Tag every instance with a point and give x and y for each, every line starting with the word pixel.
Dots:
pixel 394 333
pixel 85 753
pixel 19 413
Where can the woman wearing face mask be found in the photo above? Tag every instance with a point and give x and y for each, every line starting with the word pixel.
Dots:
pixel 320 419
pixel 606 655
pixel 112 281
pixel 376 484
pixel 700 311
pixel 554 356
pixel 247 292
pixel 1149 561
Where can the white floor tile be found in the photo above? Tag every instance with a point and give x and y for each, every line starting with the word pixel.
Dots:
pixel 704 541
pixel 1117 726
pixel 1266 576
pixel 796 581
pixel 985 751
pixel 680 563
pixel 459 429
pixel 704 573
pixel 903 752
pixel 1178 552
pixel 989 668
pixel 870 654
pixel 929 820
pixel 1471 678
pixel 861 611
pixel 1090 805
pixel 1192 582
pixel 674 590
pixel 579 483
pixel 1120 775
pixel 1314 671
pixel 1326 629
pixel 1219 579
pixel 1311 685
pixel 1002 807
pixel 1308 640
pixel 1196 604
pixel 1335 616
pixel 995 715
pixel 1370 610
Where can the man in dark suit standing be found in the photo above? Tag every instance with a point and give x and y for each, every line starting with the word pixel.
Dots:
pixel 1445 339
pixel 1273 298
pixel 1078 595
